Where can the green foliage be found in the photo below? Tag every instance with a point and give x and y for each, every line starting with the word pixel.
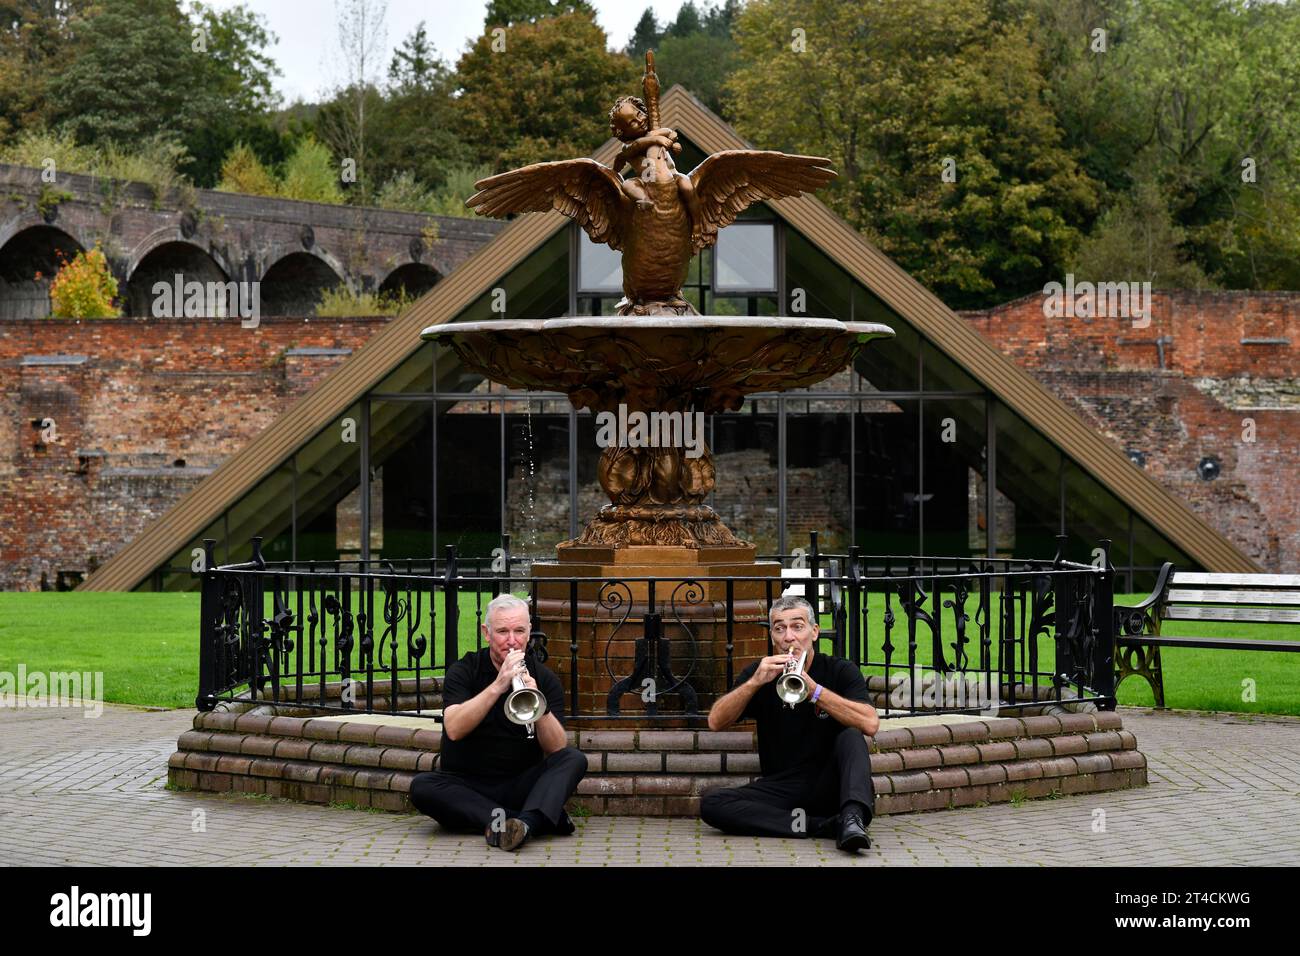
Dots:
pixel 310 174
pixel 84 288
pixel 700 62
pixel 403 191
pixel 49 199
pixel 243 172
pixel 342 302
pixel 914 89
pixel 137 67
pixel 508 13
pixel 1136 240
pixel 153 161
pixel 546 96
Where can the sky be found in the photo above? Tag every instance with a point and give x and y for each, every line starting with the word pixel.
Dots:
pixel 307 48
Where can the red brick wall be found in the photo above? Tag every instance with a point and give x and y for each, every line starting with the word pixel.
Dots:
pixel 1228 357
pixel 132 398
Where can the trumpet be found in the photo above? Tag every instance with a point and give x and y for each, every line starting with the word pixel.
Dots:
pixel 524 705
pixel 791 686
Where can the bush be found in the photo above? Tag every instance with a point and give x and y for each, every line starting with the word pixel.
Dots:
pixel 84 288
pixel 243 172
pixel 310 174
pixel 342 302
pixel 153 162
pixel 404 192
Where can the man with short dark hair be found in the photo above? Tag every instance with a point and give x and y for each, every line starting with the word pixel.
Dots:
pixel 815 764
pixel 506 780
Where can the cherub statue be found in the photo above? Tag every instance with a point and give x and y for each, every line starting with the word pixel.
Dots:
pixel 659 219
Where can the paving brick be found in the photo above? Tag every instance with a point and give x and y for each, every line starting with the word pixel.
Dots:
pixel 632 762
pixel 666 740
pixel 694 763
pixel 1069 744
pixel 721 740
pixel 749 763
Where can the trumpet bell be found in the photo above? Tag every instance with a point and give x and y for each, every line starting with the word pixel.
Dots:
pixel 792 689
pixel 525 706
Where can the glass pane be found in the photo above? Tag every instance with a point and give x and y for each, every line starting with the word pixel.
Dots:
pixel 265 512
pixel 744 447
pixel 401 489
pixel 818 486
pixel 952 506
pixel 1093 513
pixel 886 483
pixel 537 478
pixel 413 375
pixel 328 471
pixel 942 374
pixel 469 476
pixel 1150 550
pixel 600 268
pixel 1028 473
pixel 746 257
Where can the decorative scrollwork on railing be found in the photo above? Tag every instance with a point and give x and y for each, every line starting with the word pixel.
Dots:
pixel 612 596
pixel 395 611
pixel 960 592
pixel 689 594
pixel 229 632
pixel 912 598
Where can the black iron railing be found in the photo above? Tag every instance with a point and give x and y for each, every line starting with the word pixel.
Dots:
pixel 972 635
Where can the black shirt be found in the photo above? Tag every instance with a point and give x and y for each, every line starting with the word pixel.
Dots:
pixel 798 738
pixel 496 747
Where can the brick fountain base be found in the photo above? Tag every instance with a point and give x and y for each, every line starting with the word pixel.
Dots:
pixel 929 762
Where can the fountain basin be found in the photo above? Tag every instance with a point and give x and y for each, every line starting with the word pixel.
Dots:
pixel 703 363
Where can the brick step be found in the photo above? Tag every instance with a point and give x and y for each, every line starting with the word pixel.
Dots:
pixel 930 763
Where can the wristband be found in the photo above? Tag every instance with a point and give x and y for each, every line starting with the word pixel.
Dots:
pixel 817 693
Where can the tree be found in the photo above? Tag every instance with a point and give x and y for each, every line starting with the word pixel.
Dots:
pixel 243 172
pixel 509 13
pixel 546 96
pixel 310 174
pixel 933 113
pixel 345 125
pixel 140 68
pixel 413 132
pixel 701 62
pixel 35 37
pixel 414 66
pixel 688 21
pixel 645 36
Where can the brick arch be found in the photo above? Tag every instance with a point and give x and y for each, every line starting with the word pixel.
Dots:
pixel 172 234
pixel 28 247
pixel 162 262
pixel 292 283
pixel 415 278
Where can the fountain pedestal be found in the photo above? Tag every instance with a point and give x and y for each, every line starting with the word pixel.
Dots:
pixel 672 631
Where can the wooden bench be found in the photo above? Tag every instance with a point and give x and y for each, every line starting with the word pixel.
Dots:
pixel 1246 600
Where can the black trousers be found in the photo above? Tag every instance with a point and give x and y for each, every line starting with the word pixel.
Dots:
pixel 767 806
pixel 466 802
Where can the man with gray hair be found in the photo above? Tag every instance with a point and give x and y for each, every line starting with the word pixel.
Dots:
pixel 505 780
pixel 815 764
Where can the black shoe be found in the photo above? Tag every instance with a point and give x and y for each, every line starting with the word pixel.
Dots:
pixel 566 825
pixel 828 829
pixel 853 831
pixel 515 835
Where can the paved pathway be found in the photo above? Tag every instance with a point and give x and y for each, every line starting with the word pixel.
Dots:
pixel 1224 790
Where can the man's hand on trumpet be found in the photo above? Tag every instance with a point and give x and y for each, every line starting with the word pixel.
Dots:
pixel 511 666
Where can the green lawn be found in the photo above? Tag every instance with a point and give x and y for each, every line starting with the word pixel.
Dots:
pixel 147 647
